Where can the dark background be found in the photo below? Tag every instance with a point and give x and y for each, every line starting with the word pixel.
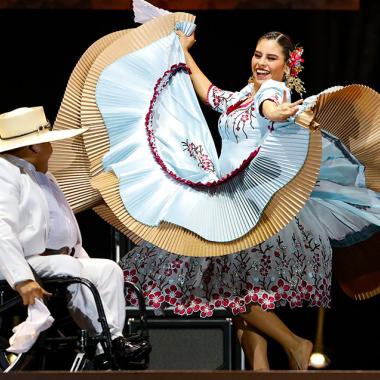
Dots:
pixel 39 49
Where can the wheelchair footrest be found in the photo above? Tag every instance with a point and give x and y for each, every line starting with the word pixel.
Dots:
pixel 79 362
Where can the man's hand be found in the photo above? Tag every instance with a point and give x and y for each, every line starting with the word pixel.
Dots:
pixel 280 112
pixel 29 290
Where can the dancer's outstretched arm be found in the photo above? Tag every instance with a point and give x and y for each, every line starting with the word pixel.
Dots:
pixel 200 81
pixel 282 111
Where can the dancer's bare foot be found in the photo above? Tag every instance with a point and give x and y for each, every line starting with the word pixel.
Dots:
pixel 300 356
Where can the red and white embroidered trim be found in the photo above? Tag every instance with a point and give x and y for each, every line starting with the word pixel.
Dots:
pixel 158 88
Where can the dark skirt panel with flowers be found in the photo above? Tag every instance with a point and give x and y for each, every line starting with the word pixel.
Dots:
pixel 292 268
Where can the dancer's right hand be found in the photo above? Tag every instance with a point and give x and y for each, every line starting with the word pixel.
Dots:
pixel 186 41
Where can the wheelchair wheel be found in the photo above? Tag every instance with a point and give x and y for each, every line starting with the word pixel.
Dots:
pixel 45 354
pixel 13 362
pixel 10 317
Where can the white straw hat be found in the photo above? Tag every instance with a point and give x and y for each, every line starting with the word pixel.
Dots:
pixel 28 126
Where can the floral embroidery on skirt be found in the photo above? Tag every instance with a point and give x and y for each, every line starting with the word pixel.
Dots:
pixel 291 268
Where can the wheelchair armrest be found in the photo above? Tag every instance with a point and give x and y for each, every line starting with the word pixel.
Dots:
pixel 10 303
pixel 66 281
pixel 16 299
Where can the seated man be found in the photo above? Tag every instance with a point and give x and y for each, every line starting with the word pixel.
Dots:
pixel 39 229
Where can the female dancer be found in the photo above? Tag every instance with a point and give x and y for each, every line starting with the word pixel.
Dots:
pixel 292 267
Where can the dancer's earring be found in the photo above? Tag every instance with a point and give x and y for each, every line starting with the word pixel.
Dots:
pixel 287 77
pixel 295 83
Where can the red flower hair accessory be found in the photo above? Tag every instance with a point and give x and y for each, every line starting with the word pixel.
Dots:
pixel 295 62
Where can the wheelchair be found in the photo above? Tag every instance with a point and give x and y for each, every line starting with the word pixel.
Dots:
pixel 64 346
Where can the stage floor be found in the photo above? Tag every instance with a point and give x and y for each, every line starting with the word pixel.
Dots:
pixel 198 375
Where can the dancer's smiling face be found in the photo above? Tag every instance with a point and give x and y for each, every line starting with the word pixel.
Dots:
pixel 268 62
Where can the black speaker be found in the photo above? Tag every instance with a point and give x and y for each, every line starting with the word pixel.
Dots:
pixel 190 344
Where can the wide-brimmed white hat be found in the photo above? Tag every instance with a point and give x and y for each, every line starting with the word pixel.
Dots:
pixel 28 126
